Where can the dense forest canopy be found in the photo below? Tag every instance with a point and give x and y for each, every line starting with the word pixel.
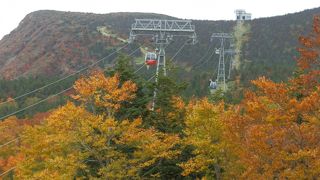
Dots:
pixel 106 129
pixel 50 45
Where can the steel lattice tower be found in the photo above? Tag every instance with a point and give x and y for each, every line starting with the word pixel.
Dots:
pixel 221 77
pixel 163 32
pixel 231 52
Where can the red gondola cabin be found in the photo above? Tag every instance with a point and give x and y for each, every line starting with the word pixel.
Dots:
pixel 151 59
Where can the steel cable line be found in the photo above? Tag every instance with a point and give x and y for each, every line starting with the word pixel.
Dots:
pixel 7 171
pixel 184 44
pixel 11 141
pixel 151 78
pixel 202 58
pixel 20 110
pixel 61 79
pixel 59 92
pixel 32 105
pixel 206 60
pixel 155 75
pixel 171 59
pixel 139 68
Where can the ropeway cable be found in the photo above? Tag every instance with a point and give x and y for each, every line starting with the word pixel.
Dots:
pixel 197 64
pixel 61 79
pixel 213 52
pixel 7 171
pixel 11 141
pixel 172 59
pixel 20 110
pixel 184 44
pixel 3 117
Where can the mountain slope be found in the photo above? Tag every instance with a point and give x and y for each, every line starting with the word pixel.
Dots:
pixel 52 42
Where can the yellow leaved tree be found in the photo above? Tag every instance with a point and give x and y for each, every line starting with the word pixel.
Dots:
pixel 9 141
pixel 205 131
pixel 103 92
pixel 76 143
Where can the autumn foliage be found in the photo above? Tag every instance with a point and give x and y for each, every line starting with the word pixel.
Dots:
pixel 104 92
pixel 277 127
pixel 10 139
pixel 273 133
pixel 77 142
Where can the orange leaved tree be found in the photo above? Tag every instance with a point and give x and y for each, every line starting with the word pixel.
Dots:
pixel 277 128
pixel 10 129
pixel 104 93
pixel 76 143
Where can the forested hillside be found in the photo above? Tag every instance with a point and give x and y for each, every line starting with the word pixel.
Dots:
pixel 107 130
pixel 50 45
pixel 51 42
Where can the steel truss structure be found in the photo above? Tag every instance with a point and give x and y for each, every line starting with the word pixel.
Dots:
pixel 224 37
pixel 162 32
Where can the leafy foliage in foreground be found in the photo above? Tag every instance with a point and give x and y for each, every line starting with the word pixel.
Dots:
pixel 274 132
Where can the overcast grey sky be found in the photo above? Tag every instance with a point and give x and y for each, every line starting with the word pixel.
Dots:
pixel 13 11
